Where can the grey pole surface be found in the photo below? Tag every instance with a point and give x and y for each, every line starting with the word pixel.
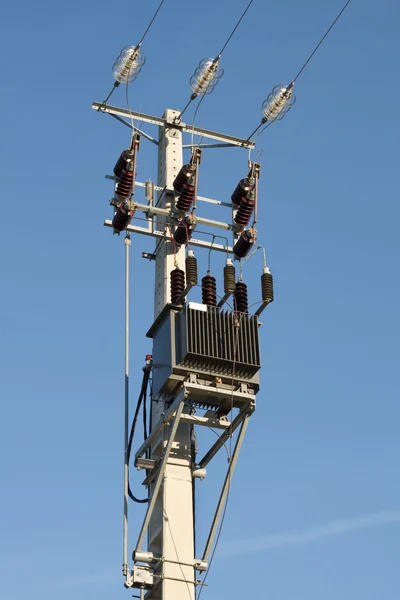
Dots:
pixel 126 420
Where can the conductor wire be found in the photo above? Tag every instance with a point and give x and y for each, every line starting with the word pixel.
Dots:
pixel 194 96
pixel 234 29
pixel 321 41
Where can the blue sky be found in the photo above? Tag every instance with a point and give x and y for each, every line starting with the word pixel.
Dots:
pixel 315 502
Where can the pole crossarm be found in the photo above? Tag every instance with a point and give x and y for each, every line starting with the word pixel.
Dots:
pixel 161 235
pixel 184 127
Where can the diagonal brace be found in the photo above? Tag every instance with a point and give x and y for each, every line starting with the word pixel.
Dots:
pixel 225 436
pixel 225 489
pixel 160 475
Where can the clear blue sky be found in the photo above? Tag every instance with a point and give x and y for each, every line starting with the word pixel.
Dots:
pixel 314 508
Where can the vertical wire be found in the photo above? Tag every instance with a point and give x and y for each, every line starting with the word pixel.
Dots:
pixel 126 420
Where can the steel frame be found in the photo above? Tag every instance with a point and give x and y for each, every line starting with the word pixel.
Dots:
pixel 173 417
pixel 160 121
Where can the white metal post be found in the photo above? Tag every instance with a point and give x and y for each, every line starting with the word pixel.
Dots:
pixel 171 527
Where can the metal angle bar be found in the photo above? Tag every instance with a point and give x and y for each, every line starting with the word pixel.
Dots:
pixel 143 133
pixel 261 308
pixel 161 235
pixel 159 189
pixel 223 438
pixel 225 489
pixel 158 481
pixel 205 421
pixel 184 293
pixel 167 417
pixel 209 146
pixel 213 135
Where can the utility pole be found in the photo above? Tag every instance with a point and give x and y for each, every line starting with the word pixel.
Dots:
pixel 171 529
pixel 206 359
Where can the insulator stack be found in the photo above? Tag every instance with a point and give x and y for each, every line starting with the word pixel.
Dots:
pixel 244 243
pixel 124 186
pixel 177 284
pixel 267 286
pixel 184 231
pixel 209 290
pixel 128 64
pixel 191 268
pixel 240 299
pixel 229 277
pixel 122 162
pixel 184 204
pixel 206 76
pixel 245 209
pixel 183 176
pixel 122 218
pixel 278 103
pixel 243 187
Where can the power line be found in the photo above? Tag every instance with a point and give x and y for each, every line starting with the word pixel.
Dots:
pixel 321 41
pixel 234 29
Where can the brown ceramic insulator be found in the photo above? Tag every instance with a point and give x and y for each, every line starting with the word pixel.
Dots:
pixel 243 187
pixel 122 218
pixel 182 234
pixel 124 186
pixel 177 284
pixel 245 210
pixel 183 177
pixel 185 201
pixel 240 300
pixel 209 290
pixel 191 269
pixel 122 162
pixel 267 287
pixel 229 279
pixel 243 245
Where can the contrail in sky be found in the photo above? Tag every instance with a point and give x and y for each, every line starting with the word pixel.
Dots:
pixel 315 533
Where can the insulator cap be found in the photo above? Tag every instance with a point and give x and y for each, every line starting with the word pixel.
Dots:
pixel 177 284
pixel 209 290
pixel 184 231
pixel 191 269
pixel 122 162
pixel 267 287
pixel 122 218
pixel 183 176
pixel 243 187
pixel 229 277
pixel 245 242
pixel 240 299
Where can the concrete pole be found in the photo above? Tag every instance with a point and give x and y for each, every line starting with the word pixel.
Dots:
pixel 171 529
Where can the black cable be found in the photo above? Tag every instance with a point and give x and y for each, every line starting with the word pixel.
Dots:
pixel 236 26
pixel 151 22
pixel 143 393
pixel 322 39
